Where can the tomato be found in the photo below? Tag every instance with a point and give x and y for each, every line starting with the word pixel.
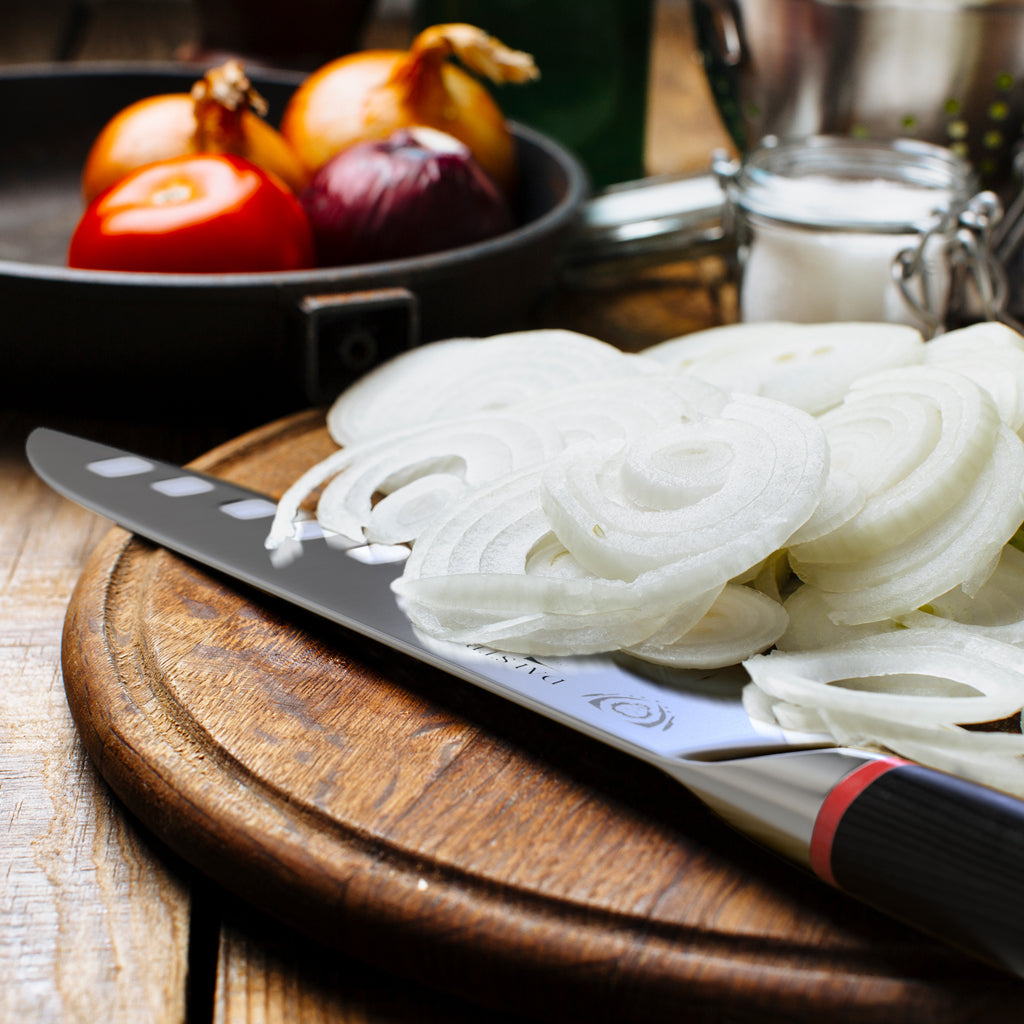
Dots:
pixel 201 213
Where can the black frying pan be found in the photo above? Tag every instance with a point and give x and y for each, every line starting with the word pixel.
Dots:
pixel 273 340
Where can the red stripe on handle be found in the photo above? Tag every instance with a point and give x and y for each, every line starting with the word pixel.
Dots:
pixel 836 804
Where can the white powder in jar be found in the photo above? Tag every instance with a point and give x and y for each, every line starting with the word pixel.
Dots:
pixel 838 267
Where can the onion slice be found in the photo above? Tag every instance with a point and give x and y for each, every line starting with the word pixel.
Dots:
pixel 623 407
pixel 811 627
pixel 927 676
pixel 995 611
pixel 992 758
pixel 741 623
pixel 491 571
pixel 842 499
pixel 420 469
pixel 441 462
pixel 720 493
pixel 450 379
pixel 810 366
pixel 916 440
pixel 992 355
pixel 960 549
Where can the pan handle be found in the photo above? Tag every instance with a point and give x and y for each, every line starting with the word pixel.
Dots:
pixel 345 334
pixel 650 222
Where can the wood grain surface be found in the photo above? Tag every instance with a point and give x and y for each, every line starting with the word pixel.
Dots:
pixel 72 947
pixel 415 822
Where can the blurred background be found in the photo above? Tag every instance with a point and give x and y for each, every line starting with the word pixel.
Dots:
pixel 678 135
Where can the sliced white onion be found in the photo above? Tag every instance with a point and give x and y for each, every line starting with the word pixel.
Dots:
pixel 447 454
pixel 742 622
pixel 810 366
pixel 927 676
pixel 916 440
pixel 995 611
pixel 842 499
pixel 960 549
pixel 401 515
pixel 492 572
pixel 721 493
pixel 440 462
pixel 759 705
pixel 453 378
pixel 392 395
pixel 623 407
pixel 422 468
pixel 569 617
pixel 564 498
pixel 992 355
pixel 796 719
pixel 811 627
pixel 992 758
pixel 285 529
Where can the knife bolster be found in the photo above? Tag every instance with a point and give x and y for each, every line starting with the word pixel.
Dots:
pixel 773 798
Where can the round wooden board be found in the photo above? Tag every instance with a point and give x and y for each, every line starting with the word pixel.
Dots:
pixel 428 827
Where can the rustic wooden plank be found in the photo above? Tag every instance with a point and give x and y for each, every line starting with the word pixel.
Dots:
pixel 267 974
pixel 94 925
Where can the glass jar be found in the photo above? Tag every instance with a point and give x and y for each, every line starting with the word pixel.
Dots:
pixel 833 228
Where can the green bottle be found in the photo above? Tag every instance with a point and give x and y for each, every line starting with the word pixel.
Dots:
pixel 594 61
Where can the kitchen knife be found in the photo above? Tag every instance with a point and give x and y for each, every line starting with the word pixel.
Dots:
pixel 935 851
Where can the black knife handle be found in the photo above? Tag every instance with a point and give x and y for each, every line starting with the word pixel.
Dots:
pixel 931 849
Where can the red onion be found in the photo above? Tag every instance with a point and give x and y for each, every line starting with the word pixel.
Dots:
pixel 417 191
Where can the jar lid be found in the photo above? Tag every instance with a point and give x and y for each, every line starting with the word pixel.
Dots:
pixel 838 183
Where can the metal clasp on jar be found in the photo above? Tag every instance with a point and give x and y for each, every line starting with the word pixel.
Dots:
pixel 977 287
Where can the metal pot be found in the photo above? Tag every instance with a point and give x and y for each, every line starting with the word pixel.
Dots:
pixel 949 72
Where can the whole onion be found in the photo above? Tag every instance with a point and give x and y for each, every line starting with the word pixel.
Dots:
pixel 223 113
pixel 372 93
pixel 418 191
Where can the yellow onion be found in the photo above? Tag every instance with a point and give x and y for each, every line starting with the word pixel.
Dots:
pixel 368 95
pixel 222 114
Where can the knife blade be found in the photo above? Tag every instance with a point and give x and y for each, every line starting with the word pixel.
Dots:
pixel 933 850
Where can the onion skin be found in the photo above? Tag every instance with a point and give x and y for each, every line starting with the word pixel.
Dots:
pixel 222 114
pixel 399 197
pixel 368 95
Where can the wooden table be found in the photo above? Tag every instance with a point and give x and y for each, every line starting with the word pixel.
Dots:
pixel 100 920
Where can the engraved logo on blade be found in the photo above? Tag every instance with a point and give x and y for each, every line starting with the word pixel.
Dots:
pixel 650 714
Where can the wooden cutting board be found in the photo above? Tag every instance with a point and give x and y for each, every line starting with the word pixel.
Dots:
pixel 430 828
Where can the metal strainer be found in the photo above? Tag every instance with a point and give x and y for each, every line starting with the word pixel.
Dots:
pixel 948 72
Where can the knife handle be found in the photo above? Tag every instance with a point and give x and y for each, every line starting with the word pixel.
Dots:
pixel 936 851
pixel 930 849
